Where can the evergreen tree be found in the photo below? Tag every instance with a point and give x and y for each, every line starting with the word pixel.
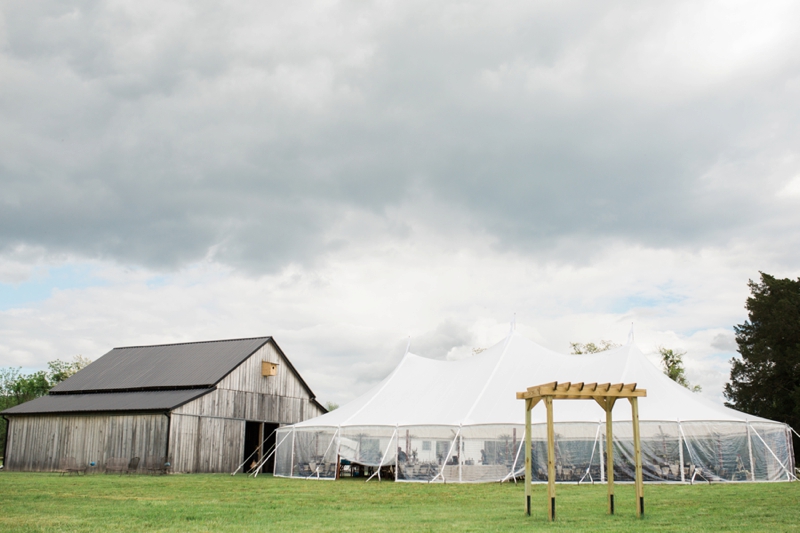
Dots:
pixel 766 380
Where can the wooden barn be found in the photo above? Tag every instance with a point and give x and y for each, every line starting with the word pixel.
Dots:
pixel 200 406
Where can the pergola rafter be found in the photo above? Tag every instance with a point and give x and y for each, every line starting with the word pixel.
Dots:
pixel 606 395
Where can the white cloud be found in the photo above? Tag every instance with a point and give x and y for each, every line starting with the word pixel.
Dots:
pixel 792 188
pixel 343 175
pixel 345 322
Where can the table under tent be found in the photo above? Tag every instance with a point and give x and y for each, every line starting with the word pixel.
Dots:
pixel 459 421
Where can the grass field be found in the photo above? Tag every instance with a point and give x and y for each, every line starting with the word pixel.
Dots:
pixel 48 502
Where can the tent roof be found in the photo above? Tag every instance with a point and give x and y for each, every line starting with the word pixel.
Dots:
pixel 481 390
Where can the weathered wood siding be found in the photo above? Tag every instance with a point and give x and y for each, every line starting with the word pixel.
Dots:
pixel 205 444
pixel 247 376
pixel 207 434
pixel 250 406
pixel 37 443
pixel 246 394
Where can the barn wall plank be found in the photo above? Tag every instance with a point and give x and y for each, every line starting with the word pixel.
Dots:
pixel 37 443
pixel 182 442
pixel 222 403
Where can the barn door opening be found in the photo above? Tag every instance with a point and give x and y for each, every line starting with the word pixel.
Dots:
pixel 252 438
pixel 269 434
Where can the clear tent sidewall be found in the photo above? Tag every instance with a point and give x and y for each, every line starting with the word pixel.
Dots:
pixel 672 451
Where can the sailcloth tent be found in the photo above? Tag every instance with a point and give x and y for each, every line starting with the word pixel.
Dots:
pixel 460 421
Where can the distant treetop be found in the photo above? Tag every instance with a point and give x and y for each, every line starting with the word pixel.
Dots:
pixel 672 365
pixel 590 347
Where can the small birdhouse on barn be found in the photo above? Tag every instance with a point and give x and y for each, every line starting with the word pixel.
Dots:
pixel 269 369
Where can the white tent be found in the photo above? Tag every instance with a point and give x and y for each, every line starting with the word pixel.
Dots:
pixel 456 421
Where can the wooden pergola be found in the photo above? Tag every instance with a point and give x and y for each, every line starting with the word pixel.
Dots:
pixel 604 394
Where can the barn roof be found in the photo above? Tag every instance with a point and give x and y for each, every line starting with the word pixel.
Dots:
pixel 151 378
pixel 112 401
pixel 190 365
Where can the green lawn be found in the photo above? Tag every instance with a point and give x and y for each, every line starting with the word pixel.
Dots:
pixel 49 502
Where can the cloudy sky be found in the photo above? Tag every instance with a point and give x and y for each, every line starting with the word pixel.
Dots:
pixel 346 175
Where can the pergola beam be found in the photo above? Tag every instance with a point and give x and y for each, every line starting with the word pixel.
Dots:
pixel 606 395
pixel 574 391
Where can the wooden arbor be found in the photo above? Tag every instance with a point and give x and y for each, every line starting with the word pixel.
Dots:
pixel 606 395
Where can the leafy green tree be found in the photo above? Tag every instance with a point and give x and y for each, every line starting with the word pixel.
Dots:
pixel 29 387
pixel 590 347
pixel 60 370
pixel 765 381
pixel 8 376
pixel 672 364
pixel 17 388
pixel 330 406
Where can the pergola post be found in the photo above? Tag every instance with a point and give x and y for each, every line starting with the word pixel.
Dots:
pixel 609 405
pixel 637 453
pixel 528 480
pixel 605 395
pixel 551 460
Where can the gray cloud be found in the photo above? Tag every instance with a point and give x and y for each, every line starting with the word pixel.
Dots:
pixel 437 343
pixel 724 342
pixel 162 134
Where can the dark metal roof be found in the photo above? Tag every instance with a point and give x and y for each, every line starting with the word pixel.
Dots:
pixel 114 401
pixel 162 367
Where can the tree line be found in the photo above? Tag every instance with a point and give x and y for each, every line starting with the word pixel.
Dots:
pixel 17 387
